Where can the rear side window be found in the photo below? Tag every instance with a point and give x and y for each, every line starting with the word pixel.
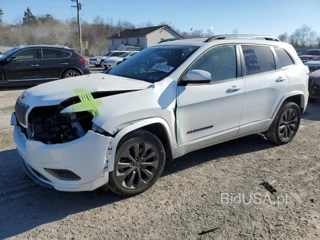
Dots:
pixel 52 53
pixel 284 57
pixel 258 59
pixel 66 54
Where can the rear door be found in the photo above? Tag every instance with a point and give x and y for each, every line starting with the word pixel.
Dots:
pixel 265 82
pixel 25 67
pixel 53 62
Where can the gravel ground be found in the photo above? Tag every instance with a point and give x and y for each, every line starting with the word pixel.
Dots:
pixel 196 198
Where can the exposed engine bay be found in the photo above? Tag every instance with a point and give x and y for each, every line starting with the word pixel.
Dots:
pixel 49 126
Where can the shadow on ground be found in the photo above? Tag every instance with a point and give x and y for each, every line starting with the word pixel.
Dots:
pixel 312 112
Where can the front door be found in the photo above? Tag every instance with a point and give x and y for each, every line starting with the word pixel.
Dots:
pixel 211 111
pixel 25 67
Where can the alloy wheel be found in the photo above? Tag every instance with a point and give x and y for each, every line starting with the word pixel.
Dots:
pixel 137 165
pixel 288 124
pixel 72 74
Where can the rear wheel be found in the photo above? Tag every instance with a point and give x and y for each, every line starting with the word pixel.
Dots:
pixel 139 162
pixel 285 125
pixel 71 73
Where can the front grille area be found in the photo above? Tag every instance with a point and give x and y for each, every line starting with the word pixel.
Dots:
pixel 21 112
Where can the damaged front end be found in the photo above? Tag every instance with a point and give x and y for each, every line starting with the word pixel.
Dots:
pixel 66 151
pixel 48 125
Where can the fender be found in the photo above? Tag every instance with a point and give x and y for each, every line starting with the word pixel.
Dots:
pixel 111 153
pixel 290 94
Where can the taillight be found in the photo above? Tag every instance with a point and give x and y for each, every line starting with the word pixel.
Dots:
pixel 83 60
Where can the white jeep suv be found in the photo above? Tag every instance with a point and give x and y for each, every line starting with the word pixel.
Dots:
pixel 116 130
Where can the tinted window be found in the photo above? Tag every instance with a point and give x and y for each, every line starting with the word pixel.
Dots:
pixel 52 53
pixel 220 62
pixel 66 54
pixel 27 54
pixel 284 57
pixel 258 59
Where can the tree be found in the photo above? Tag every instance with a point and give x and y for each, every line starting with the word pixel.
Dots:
pixel 303 37
pixel 1 14
pixel 28 17
pixel 284 37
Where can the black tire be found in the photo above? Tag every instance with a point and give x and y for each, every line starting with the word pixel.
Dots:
pixel 285 125
pixel 100 65
pixel 70 73
pixel 124 180
pixel 96 65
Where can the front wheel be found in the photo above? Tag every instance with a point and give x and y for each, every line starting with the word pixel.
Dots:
pixel 139 162
pixel 285 125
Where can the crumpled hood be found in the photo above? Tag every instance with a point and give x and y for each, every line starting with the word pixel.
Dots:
pixel 55 92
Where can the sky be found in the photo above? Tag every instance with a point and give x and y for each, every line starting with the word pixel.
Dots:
pixel 269 17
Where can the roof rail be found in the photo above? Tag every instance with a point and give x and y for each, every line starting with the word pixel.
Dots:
pixel 168 40
pixel 242 36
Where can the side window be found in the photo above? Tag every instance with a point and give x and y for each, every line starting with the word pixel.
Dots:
pixel 52 53
pixel 221 62
pixel 66 54
pixel 258 59
pixel 284 57
pixel 28 54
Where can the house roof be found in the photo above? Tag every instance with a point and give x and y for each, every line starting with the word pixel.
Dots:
pixel 137 32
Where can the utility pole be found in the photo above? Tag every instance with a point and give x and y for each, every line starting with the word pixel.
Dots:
pixel 79 7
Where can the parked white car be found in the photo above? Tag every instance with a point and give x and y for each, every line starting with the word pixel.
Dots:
pixel 116 130
pixel 98 61
pixel 111 62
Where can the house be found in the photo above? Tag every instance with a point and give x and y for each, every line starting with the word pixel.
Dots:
pixel 140 38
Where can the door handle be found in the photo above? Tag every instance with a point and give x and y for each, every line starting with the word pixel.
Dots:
pixel 234 89
pixel 280 79
pixel 34 65
pixel 64 63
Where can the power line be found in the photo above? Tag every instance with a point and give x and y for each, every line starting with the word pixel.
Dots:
pixel 79 7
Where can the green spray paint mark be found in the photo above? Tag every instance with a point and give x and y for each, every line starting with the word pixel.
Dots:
pixel 87 103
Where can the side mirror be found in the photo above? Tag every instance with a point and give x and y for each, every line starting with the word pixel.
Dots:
pixel 197 76
pixel 12 59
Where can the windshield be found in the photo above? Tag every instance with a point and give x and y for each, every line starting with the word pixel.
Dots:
pixel 12 50
pixel 124 54
pixel 153 64
pixel 107 54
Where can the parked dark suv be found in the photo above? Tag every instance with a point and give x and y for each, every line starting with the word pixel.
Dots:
pixel 34 64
